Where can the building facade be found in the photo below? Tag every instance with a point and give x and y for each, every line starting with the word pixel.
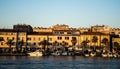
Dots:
pixel 62 35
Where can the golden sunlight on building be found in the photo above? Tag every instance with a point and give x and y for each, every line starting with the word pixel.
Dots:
pixel 60 34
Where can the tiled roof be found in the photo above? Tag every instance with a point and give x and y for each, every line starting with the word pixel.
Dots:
pixel 93 33
pixel 10 30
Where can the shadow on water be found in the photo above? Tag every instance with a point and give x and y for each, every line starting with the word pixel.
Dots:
pixel 58 62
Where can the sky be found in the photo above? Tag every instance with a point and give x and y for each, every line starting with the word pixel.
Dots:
pixel 46 13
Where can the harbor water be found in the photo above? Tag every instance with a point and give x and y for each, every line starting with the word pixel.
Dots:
pixel 58 62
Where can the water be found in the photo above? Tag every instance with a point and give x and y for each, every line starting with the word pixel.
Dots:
pixel 58 62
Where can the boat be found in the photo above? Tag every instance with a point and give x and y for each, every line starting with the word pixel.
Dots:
pixel 64 54
pixel 87 55
pixel 110 54
pixel 104 55
pixel 92 54
pixel 115 55
pixel 55 53
pixel 35 53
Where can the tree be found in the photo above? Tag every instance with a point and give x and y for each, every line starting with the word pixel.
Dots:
pixel 94 40
pixel 64 45
pixel 1 39
pixel 84 43
pixel 55 43
pixel 20 43
pixel 44 43
pixel 105 41
pixel 116 45
pixel 10 43
pixel 74 41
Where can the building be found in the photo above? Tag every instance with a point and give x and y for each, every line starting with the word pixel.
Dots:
pixel 23 27
pixel 10 34
pixel 102 28
pixel 89 36
pixel 60 35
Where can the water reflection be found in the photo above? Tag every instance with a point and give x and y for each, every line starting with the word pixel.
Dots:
pixel 59 62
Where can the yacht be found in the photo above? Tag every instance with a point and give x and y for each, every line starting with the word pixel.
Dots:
pixel 35 53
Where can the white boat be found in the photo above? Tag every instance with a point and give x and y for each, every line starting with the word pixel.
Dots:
pixel 86 55
pixel 92 54
pixel 104 55
pixel 55 53
pixel 115 55
pixel 64 53
pixel 110 54
pixel 36 53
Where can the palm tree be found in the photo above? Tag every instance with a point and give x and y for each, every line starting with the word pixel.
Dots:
pixel 55 43
pixel 74 41
pixel 94 40
pixel 64 45
pixel 84 43
pixel 116 46
pixel 44 43
pixel 105 41
pixel 1 39
pixel 10 43
pixel 20 43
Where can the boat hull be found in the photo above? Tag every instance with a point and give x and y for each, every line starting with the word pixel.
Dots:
pixel 35 54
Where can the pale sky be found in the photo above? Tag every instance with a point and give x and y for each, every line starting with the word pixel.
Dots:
pixel 45 13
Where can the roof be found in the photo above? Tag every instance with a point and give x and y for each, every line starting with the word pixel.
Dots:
pixel 66 30
pixel 10 30
pixel 40 33
pixel 93 33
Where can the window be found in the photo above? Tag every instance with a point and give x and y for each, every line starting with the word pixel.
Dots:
pixel 61 32
pixel 34 43
pixel 66 38
pixel 13 38
pixel 1 43
pixel 59 38
pixel 50 39
pixel 28 38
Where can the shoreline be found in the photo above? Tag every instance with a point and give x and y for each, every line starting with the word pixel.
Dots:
pixel 13 54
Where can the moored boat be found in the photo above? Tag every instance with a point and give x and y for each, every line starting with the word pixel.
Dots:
pixel 86 55
pixel 55 53
pixel 36 53
pixel 64 54
pixel 104 55
pixel 92 54
pixel 110 54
